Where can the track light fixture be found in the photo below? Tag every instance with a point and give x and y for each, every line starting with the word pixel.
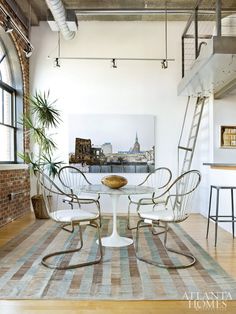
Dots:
pixel 113 64
pixel 7 25
pixel 28 50
pixel 57 63
pixel 164 64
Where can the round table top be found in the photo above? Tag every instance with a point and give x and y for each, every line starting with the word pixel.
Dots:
pixel 125 190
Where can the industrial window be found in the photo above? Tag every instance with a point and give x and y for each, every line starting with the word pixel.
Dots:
pixel 10 134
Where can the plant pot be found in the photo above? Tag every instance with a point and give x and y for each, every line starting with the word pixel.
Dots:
pixel 39 207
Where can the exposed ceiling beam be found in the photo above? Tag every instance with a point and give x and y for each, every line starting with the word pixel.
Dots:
pixel 33 15
pixel 137 11
pixel 123 10
pixel 18 11
pixel 29 11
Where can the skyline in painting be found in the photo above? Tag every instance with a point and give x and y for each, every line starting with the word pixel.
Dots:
pixel 112 143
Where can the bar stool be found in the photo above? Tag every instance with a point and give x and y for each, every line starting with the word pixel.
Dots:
pixel 216 217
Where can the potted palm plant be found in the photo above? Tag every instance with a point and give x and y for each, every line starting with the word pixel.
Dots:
pixel 37 122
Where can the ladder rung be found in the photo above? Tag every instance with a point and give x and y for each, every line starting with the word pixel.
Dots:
pixel 185 148
pixel 187 160
pixel 196 114
pixel 192 136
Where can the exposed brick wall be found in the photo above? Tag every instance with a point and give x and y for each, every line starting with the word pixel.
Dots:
pixel 16 180
pixel 14 205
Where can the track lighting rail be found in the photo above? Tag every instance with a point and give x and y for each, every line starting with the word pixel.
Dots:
pixel 112 58
pixel 164 62
pixel 10 25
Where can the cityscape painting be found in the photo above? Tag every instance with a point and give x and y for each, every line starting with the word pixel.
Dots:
pixel 112 143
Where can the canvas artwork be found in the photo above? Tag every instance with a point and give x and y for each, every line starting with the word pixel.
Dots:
pixel 112 143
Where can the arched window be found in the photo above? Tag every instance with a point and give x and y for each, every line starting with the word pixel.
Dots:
pixel 11 102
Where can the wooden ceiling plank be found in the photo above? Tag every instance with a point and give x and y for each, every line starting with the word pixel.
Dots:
pixel 29 12
pixel 18 11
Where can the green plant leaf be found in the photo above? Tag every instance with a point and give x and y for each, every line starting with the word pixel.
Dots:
pixel 51 166
pixel 41 116
pixel 44 109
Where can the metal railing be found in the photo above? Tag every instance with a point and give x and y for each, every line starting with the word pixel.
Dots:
pixel 200 28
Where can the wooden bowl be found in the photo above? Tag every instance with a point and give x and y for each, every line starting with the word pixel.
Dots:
pixel 114 181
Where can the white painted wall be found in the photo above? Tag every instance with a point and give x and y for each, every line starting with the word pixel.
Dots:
pixel 93 87
pixel 223 112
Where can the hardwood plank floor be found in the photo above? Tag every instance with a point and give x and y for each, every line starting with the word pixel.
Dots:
pixel 224 254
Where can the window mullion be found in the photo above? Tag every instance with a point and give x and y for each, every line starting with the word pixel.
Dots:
pixel 3 107
pixel 11 106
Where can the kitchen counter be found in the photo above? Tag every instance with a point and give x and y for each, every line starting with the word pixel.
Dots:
pixel 218 165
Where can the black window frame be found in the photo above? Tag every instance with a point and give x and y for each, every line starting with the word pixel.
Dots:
pixel 13 125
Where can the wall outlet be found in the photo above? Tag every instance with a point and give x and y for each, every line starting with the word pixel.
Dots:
pixel 11 196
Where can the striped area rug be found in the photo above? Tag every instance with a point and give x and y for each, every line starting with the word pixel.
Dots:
pixel 119 276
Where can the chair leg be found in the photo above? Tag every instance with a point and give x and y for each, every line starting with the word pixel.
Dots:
pixel 232 206
pixel 209 212
pixel 149 261
pixel 217 212
pixel 159 232
pixel 100 216
pixel 59 253
pixel 68 224
pixel 128 220
pixel 188 255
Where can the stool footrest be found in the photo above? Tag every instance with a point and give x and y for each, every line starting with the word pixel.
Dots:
pixel 223 187
pixel 223 216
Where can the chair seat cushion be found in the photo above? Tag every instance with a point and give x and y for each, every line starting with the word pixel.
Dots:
pixel 162 214
pixel 68 215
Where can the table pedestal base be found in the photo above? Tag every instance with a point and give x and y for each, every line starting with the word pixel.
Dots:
pixel 116 241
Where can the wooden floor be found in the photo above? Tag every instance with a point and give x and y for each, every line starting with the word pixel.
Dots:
pixel 224 254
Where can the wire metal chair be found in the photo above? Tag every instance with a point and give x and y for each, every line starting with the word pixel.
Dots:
pixel 51 195
pixel 159 179
pixel 72 178
pixel 176 210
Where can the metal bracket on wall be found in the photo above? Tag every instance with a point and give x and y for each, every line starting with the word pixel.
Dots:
pixel 12 195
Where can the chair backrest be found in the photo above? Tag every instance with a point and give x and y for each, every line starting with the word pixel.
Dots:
pixel 158 178
pixel 181 193
pixel 52 192
pixel 72 178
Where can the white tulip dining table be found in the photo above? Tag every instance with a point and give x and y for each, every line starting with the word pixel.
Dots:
pixel 115 240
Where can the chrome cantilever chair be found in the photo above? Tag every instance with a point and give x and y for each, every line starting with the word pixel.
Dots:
pixel 175 210
pixel 159 179
pixel 72 178
pixel 51 195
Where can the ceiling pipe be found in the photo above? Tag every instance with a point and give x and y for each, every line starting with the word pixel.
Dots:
pixel 59 14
